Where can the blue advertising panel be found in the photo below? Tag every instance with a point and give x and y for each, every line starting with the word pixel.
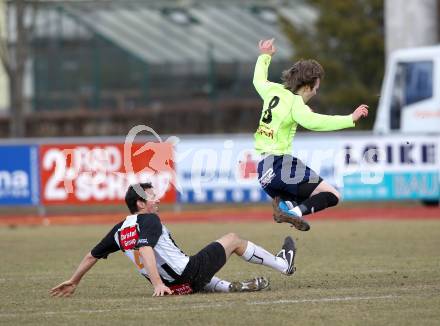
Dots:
pixel 393 186
pixel 19 183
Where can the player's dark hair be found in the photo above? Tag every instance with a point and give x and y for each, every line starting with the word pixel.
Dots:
pixel 134 193
pixel 302 73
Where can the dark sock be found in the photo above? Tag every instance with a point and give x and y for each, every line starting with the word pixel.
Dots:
pixel 318 202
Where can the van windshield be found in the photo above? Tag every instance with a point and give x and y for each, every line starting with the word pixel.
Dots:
pixel 413 83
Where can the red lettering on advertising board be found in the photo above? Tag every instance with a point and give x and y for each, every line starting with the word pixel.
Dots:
pixel 248 168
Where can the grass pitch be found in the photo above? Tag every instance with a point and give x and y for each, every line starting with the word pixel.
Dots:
pixel 348 273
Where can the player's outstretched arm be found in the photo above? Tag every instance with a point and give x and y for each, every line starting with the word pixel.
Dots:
pixel 149 260
pixel 322 122
pixel 67 288
pixel 260 81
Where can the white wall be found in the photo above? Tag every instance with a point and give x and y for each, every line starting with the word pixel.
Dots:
pixel 410 23
pixel 4 85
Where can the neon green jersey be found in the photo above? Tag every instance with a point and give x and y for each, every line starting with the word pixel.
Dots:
pixel 283 111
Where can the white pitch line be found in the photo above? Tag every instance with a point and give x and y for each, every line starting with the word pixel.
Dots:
pixel 202 306
pixel 336 299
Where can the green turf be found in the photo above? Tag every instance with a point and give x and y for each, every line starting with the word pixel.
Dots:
pixel 349 273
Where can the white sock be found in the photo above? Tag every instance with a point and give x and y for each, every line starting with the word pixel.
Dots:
pixel 296 211
pixel 217 285
pixel 257 255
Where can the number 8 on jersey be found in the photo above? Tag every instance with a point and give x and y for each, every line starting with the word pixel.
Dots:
pixel 267 114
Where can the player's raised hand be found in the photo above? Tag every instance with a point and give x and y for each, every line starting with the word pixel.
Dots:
pixel 161 290
pixel 360 112
pixel 65 289
pixel 267 46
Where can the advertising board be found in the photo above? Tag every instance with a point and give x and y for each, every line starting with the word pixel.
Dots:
pixel 101 173
pixel 19 175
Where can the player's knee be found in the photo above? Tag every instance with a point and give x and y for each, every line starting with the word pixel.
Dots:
pixel 232 236
pixel 230 241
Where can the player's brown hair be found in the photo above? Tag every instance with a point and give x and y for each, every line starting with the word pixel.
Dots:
pixel 134 193
pixel 302 73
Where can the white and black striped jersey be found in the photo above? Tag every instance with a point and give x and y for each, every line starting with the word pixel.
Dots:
pixel 144 230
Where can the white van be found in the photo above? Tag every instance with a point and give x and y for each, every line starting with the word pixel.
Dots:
pixel 410 96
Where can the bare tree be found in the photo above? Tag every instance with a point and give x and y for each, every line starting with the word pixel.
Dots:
pixel 14 55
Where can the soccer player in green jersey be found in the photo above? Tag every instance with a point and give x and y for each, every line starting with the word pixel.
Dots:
pixel 295 188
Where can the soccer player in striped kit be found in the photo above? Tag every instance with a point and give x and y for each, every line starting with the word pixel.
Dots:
pixel 295 188
pixel 149 245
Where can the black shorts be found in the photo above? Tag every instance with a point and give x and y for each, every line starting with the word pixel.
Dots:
pixel 287 177
pixel 204 265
